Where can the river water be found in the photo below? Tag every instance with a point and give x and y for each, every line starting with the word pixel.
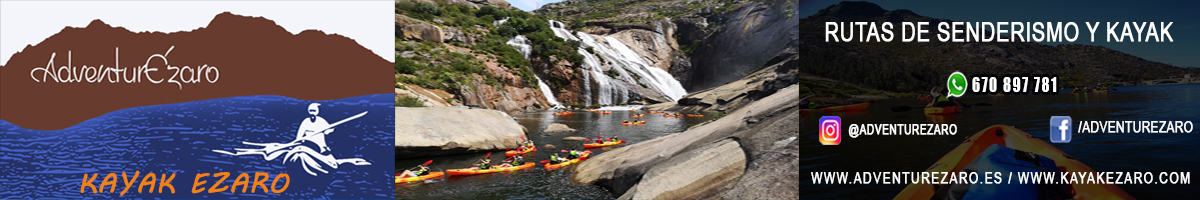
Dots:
pixel 1126 152
pixel 537 183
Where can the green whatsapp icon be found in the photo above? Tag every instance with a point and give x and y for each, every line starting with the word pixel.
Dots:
pixel 956 84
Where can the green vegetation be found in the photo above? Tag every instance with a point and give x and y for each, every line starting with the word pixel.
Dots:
pixel 409 102
pixel 437 67
pixel 613 73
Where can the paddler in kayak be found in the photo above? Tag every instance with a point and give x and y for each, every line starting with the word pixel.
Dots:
pixel 514 160
pixel 941 100
pixel 484 163
pixel 572 154
pixel 613 139
pixel 555 159
pixel 419 170
pixel 313 129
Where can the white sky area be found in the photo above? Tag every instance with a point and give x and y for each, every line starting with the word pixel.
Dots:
pixel 530 5
pixel 370 23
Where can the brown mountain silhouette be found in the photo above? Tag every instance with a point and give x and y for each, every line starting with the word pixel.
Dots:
pixel 254 55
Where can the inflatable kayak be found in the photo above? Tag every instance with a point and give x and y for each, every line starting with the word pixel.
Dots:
pixel 633 123
pixel 637 115
pixel 426 176
pixel 582 156
pixel 1015 139
pixel 861 106
pixel 594 145
pixel 473 171
pixel 942 110
pixel 515 152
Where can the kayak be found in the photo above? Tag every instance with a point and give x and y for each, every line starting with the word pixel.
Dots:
pixel 563 113
pixel 1099 91
pixel 637 115
pixel 473 171
pixel 942 110
pixel 594 145
pixel 582 157
pixel 861 106
pixel 691 115
pixel 1014 138
pixel 515 152
pixel 426 176
pixel 657 112
pixel 633 123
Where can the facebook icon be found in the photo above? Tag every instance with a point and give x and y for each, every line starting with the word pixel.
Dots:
pixel 1060 129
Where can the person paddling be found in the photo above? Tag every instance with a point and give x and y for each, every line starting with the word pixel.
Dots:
pixel 484 163
pixel 419 170
pixel 555 159
pixel 572 155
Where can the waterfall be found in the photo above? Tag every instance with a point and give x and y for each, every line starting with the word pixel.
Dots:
pixel 522 45
pixel 624 61
pixel 546 92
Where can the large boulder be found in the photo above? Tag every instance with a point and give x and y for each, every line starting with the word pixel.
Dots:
pixel 408 28
pixel 432 131
pixel 557 127
pixel 752 153
pixel 780 72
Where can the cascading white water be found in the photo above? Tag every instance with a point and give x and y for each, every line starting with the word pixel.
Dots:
pixel 523 46
pixel 620 58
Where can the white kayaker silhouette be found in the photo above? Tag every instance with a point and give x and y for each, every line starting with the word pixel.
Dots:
pixel 313 129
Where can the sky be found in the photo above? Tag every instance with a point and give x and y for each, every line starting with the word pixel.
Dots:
pixel 370 23
pixel 530 5
pixel 1184 51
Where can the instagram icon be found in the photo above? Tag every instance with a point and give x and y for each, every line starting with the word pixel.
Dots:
pixel 831 130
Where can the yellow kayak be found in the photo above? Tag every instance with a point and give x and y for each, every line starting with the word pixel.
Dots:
pixel 426 176
pixel 1014 138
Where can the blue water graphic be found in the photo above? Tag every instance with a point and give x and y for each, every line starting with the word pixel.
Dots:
pixel 180 138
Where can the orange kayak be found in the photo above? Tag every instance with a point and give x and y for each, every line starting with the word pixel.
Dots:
pixel 1014 138
pixel 861 106
pixel 582 157
pixel 633 123
pixel 411 179
pixel 473 171
pixel 637 115
pixel 691 115
pixel 594 145
pixel 515 152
